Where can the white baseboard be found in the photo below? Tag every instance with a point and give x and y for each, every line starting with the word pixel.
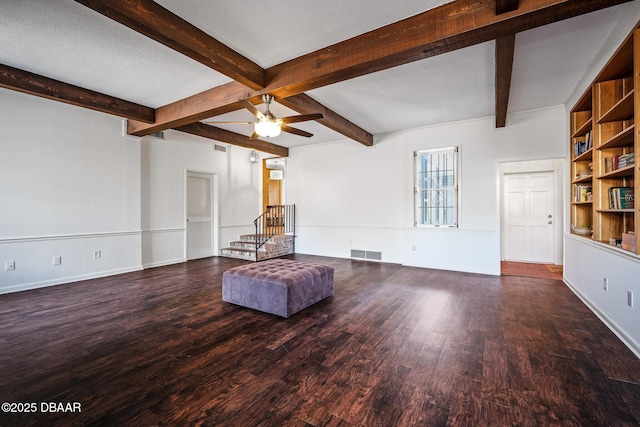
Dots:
pixel 163 263
pixel 64 280
pixel 609 323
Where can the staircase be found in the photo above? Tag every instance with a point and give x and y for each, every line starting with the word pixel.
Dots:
pixel 274 236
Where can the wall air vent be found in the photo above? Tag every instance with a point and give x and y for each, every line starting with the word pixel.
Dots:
pixel 367 255
pixel 222 148
pixel 357 253
pixel 158 135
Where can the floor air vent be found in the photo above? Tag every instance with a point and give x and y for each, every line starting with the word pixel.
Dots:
pixel 368 255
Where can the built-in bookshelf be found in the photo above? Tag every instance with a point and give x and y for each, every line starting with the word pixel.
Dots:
pixel 604 152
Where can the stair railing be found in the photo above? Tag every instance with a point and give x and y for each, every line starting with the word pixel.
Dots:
pixel 277 219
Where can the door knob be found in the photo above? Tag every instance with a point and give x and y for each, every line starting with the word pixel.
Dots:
pixel 550 222
pixel 549 216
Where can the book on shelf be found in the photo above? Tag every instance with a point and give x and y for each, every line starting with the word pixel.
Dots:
pixel 583 145
pixel 613 163
pixel 585 171
pixel 621 198
pixel 583 193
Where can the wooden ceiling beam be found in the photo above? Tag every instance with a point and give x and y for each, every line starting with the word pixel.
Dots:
pixel 447 28
pixel 504 6
pixel 304 104
pixel 158 23
pixel 212 102
pixel 223 135
pixel 44 87
pixel 223 99
pixel 505 47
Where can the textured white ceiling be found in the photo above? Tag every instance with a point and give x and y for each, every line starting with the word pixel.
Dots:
pixel 66 41
pixel 274 31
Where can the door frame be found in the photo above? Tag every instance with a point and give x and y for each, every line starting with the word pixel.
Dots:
pixel 532 166
pixel 215 209
pixel 281 162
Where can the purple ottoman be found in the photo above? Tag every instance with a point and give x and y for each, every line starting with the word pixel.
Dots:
pixel 278 286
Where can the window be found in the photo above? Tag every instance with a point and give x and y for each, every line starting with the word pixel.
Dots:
pixel 436 187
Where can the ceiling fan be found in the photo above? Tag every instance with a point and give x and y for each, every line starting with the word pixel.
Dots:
pixel 267 125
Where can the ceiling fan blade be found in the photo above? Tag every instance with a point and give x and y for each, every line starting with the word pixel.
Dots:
pixel 295 131
pixel 254 135
pixel 229 123
pixel 249 106
pixel 300 118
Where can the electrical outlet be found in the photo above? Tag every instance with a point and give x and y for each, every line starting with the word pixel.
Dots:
pixel 630 299
pixel 97 254
pixel 57 260
pixel 605 284
pixel 9 266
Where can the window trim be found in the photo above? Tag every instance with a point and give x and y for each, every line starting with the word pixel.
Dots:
pixel 455 187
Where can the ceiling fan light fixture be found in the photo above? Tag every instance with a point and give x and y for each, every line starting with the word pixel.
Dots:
pixel 267 128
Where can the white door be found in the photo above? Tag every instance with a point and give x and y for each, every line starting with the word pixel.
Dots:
pixel 528 217
pixel 199 216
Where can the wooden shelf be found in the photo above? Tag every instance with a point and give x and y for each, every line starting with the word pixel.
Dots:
pixel 619 173
pixel 582 179
pixel 607 113
pixel 582 130
pixel 587 155
pixel 616 211
pixel 584 103
pixel 620 64
pixel 621 139
pixel 586 236
pixel 622 110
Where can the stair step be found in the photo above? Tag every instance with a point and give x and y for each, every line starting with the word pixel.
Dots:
pixel 239 253
pixel 252 237
pixel 278 245
pixel 247 245
pixel 239 250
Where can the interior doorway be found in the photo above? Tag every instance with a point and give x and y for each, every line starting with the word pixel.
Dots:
pixel 531 220
pixel 273 171
pixel 201 222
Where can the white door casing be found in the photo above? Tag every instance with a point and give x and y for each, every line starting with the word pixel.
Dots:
pixel 199 210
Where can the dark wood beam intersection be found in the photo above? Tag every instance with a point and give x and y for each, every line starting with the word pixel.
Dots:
pixel 504 6
pixel 504 66
pixel 158 23
pixel 223 135
pixel 44 87
pixel 444 29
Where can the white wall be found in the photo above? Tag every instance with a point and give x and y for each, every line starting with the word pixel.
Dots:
pixel 164 167
pixel 586 265
pixel 72 184
pixel 349 196
pixel 69 185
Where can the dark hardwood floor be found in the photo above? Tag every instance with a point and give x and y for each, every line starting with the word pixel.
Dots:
pixel 395 346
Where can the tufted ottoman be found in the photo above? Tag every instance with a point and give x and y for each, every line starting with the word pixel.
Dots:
pixel 278 286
